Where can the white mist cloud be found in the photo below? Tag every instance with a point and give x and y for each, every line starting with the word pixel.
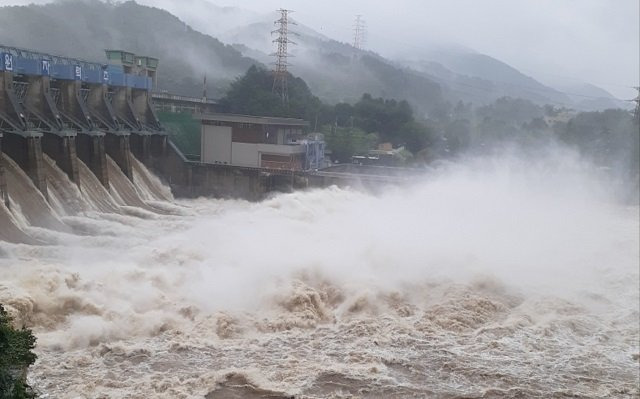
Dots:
pixel 503 259
pixel 542 228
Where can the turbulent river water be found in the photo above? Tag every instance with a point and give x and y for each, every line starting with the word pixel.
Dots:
pixel 487 278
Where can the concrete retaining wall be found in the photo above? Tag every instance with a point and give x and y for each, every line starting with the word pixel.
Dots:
pixel 4 197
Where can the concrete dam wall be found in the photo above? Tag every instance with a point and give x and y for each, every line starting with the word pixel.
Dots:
pixel 75 137
pixel 80 114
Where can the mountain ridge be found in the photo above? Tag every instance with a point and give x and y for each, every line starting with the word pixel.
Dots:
pixel 334 70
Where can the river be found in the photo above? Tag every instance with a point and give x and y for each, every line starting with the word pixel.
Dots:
pixel 489 278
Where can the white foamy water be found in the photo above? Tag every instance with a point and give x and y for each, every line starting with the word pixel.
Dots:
pixel 488 278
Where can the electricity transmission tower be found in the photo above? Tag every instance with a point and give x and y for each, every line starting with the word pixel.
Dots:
pixel 280 73
pixel 359 33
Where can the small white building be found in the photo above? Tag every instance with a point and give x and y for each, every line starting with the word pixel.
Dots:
pixel 258 142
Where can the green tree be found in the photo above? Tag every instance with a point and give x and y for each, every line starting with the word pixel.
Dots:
pixel 345 142
pixel 415 136
pixel 390 120
pixel 511 110
pixel 15 357
pixel 385 117
pixel 343 114
pixel 252 94
pixel 609 137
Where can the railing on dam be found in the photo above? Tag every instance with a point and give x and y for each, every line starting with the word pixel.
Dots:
pixel 167 102
pixel 177 98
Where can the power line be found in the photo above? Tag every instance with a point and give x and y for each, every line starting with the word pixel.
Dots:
pixel 280 73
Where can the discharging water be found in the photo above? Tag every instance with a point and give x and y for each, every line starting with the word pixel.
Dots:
pixel 489 278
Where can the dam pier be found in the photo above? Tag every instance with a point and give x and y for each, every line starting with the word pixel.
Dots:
pixel 70 110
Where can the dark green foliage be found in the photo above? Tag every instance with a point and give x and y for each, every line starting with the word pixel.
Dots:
pixel 493 130
pixel 415 136
pixel 343 114
pixel 349 129
pixel 252 94
pixel 344 142
pixel 15 357
pixel 183 130
pixel 383 116
pixel 506 121
pixel 391 120
pixel 511 109
pixel 609 137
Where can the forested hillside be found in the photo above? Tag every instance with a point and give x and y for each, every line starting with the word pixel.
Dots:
pixel 336 72
pixel 84 29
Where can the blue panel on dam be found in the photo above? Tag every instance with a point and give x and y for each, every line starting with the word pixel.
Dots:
pixel 137 82
pixel 26 66
pixel 117 79
pixel 27 62
pixel 92 73
pixel 62 71
pixel 115 75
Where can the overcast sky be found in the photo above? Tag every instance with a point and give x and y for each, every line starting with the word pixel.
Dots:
pixel 596 41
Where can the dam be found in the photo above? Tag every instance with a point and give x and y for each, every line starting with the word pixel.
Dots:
pixel 75 112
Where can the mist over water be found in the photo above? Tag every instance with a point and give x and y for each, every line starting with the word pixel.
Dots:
pixel 488 277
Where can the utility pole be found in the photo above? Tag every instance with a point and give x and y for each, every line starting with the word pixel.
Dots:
pixel 359 33
pixel 204 88
pixel 636 112
pixel 280 73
